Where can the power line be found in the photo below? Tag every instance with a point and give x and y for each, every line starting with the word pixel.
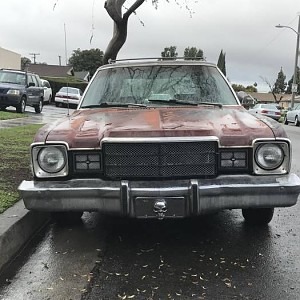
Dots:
pixel 34 55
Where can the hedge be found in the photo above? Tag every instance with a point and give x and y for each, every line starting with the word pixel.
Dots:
pixel 58 82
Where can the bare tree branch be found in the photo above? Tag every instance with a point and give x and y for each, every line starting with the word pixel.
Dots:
pixel 133 7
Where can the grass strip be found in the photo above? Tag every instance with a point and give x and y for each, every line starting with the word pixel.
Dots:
pixel 5 115
pixel 14 161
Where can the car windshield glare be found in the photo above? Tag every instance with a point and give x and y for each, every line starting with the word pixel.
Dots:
pixel 12 77
pixel 159 85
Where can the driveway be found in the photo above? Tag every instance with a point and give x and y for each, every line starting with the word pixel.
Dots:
pixel 49 114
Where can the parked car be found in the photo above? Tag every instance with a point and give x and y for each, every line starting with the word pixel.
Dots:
pixel 269 110
pixel 20 88
pixel 161 139
pixel 68 95
pixel 47 90
pixel 293 116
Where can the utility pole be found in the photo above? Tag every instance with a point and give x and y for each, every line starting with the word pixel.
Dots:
pixel 34 55
pixel 294 84
pixel 66 52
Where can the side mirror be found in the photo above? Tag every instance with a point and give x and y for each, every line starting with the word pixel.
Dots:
pixel 31 84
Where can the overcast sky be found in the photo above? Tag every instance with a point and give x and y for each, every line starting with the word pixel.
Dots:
pixel 244 29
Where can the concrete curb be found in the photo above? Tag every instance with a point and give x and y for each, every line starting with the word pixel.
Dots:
pixel 17 226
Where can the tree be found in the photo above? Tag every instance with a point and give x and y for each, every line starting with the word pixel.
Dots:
pixel 193 53
pixel 221 62
pixel 169 53
pixel 247 89
pixel 272 90
pixel 114 9
pixel 25 62
pixel 290 82
pixel 86 60
pixel 280 84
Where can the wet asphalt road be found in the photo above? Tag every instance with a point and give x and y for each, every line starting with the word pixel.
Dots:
pixel 213 257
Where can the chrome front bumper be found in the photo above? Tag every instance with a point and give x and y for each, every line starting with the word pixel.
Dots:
pixel 136 198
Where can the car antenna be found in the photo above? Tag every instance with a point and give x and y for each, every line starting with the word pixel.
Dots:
pixel 68 103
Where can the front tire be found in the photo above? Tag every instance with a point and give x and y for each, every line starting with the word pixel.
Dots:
pixel 21 106
pixel 258 216
pixel 296 121
pixel 38 108
pixel 285 121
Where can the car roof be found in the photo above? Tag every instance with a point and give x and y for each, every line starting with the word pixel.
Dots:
pixel 13 71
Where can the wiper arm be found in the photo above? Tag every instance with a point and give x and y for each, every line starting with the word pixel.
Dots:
pixel 211 103
pixel 186 102
pixel 174 101
pixel 112 104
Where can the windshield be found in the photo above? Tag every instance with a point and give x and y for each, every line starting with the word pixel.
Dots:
pixel 11 77
pixel 159 85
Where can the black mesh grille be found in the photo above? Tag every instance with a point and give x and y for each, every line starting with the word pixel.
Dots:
pixel 179 159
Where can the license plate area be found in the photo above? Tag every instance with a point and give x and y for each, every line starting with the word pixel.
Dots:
pixel 160 207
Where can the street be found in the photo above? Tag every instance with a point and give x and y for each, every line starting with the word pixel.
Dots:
pixel 212 257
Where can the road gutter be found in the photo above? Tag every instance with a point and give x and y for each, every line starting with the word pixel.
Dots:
pixel 17 226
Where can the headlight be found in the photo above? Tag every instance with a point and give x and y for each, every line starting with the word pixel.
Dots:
pixel 13 92
pixel 50 161
pixel 271 157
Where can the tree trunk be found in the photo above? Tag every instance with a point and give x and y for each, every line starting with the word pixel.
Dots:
pixel 117 41
pixel 114 9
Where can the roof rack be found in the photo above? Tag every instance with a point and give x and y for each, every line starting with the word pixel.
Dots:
pixel 111 61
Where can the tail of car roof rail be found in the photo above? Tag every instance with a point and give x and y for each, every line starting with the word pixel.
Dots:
pixel 111 61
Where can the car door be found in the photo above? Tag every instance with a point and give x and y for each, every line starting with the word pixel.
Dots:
pixel 294 113
pixel 33 90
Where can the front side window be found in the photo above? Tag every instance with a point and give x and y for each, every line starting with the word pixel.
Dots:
pixel 156 85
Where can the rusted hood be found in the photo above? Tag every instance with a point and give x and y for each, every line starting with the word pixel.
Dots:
pixel 233 126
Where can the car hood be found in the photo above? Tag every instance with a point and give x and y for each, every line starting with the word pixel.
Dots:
pixel 11 85
pixel 234 126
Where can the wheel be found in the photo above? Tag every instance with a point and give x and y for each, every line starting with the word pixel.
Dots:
pixel 285 121
pixel 296 121
pixel 258 216
pixel 38 108
pixel 67 217
pixel 21 106
pixel 57 104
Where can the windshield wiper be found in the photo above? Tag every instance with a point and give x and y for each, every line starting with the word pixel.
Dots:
pixel 112 104
pixel 186 102
pixel 174 101
pixel 211 103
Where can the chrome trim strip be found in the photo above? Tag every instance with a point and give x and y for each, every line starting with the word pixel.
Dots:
pixel 160 139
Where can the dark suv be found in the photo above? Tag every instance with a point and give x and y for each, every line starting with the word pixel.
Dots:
pixel 20 88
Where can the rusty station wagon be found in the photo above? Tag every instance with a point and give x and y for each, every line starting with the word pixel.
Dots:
pixel 161 139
